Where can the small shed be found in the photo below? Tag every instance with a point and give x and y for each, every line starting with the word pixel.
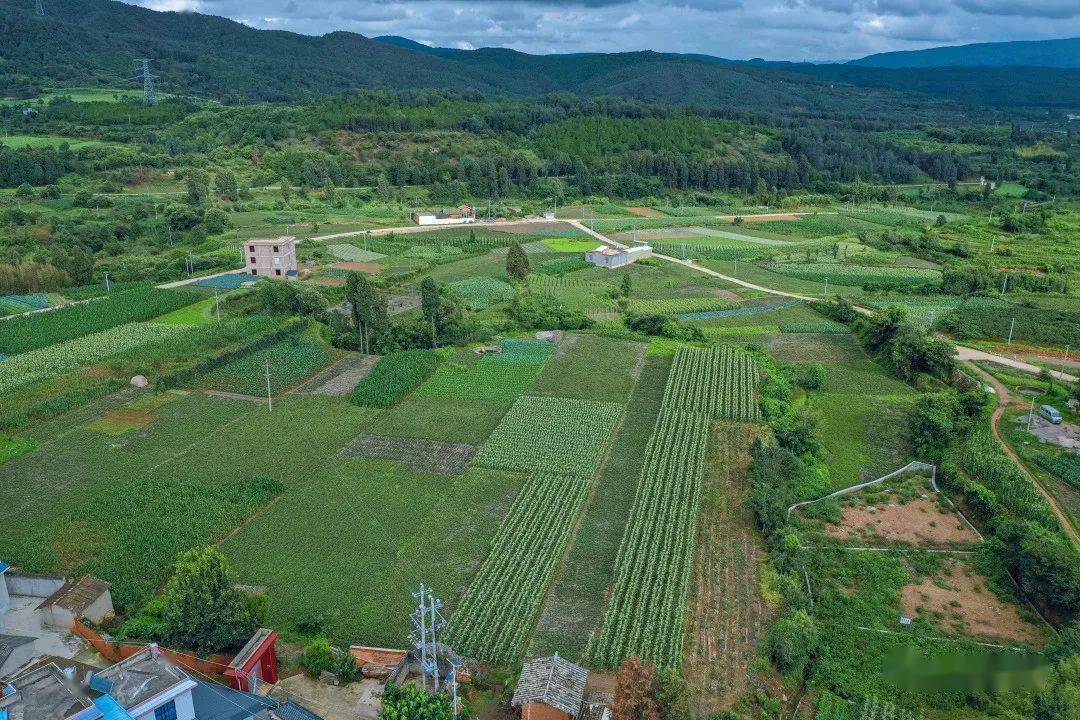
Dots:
pixel 550 688
pixel 612 257
pixel 15 651
pixel 86 598
pixel 256 662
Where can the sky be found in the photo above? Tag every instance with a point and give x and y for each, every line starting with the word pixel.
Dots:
pixel 813 30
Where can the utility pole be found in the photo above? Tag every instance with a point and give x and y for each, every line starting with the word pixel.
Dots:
pixel 932 314
pixel 149 93
pixel 41 8
pixel 1031 413
pixel 107 287
pixel 269 398
pixel 826 287
pixel 1011 326
pixel 217 304
pixel 736 270
pixel 1004 284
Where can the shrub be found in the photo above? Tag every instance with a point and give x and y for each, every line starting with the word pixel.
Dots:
pixel 317 657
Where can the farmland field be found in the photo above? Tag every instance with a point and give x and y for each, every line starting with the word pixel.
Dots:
pixel 726 615
pixel 652 572
pixel 496 615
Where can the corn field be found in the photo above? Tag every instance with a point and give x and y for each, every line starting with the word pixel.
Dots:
pixel 719 382
pixel 499 609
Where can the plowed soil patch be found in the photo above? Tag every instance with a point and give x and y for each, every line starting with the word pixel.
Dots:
pixel 646 212
pixel 919 522
pixel 958 602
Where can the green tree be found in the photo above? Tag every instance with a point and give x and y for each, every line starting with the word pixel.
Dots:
pixel 626 284
pixel 673 695
pixel 367 306
pixel 286 190
pixel 198 187
pixel 203 611
pixel 410 702
pixel 226 186
pixel 517 262
pixel 792 642
pixel 811 377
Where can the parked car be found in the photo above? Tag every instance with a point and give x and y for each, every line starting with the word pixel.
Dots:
pixel 1050 414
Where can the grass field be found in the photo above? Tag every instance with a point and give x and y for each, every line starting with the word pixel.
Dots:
pixel 53 141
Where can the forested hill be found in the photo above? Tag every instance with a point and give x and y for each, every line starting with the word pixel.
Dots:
pixel 1064 53
pixel 94 42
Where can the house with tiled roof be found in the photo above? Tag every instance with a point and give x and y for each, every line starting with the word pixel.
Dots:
pixel 550 688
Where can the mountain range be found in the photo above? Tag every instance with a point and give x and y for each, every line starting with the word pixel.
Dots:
pixel 94 42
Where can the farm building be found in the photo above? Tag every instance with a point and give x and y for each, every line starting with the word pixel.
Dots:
pixel 145 686
pixel 271 257
pixel 550 688
pixel 256 663
pixel 86 598
pixel 458 216
pixel 611 257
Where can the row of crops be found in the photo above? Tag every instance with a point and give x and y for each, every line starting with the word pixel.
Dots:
pixel 648 603
pixel 16 304
pixel 46 362
pixel 718 382
pixel 32 332
pixel 857 275
pixel 499 609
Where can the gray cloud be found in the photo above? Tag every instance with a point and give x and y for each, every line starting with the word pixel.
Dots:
pixel 773 29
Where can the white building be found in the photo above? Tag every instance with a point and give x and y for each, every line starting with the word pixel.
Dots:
pixel 271 257
pixel 459 216
pixel 612 257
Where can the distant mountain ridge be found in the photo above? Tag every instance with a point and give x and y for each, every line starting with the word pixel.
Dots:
pixel 1063 53
pixel 94 42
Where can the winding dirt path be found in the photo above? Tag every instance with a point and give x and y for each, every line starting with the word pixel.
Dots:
pixel 1005 401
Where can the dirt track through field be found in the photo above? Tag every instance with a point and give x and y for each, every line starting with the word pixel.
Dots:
pixel 1005 400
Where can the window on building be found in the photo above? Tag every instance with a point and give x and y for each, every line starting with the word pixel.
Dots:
pixel 254 271
pixel 252 261
pixel 251 248
pixel 278 273
pixel 276 248
pixel 166 711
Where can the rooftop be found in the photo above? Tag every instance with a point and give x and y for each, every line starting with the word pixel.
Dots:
pixel 43 693
pixel 142 676
pixel 8 644
pixel 77 595
pixel 280 240
pixel 3 567
pixel 252 646
pixel 553 681
pixel 217 702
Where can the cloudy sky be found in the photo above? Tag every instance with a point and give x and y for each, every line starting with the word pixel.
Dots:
pixel 740 29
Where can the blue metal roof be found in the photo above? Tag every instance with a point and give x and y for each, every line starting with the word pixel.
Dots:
pixel 3 565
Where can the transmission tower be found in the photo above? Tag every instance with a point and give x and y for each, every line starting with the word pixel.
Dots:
pixel 41 8
pixel 428 623
pixel 149 93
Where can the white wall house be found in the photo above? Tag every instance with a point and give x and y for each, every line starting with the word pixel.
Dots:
pixel 459 216
pixel 611 257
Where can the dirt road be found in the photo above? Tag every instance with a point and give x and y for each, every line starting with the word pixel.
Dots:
pixel 967 354
pixel 1004 402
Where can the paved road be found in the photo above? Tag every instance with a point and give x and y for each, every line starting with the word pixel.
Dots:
pixel 1004 401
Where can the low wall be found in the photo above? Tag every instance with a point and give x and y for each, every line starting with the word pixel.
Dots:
pixel 117 651
pixel 31 585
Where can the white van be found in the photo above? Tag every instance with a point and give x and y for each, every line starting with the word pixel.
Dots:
pixel 1050 414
